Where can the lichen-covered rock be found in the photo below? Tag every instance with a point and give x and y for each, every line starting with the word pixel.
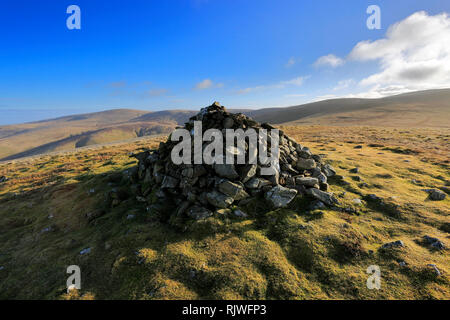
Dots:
pixel 305 164
pixel 231 189
pixel 226 171
pixel 248 172
pixel 169 182
pixel 198 213
pixel 307 181
pixel 280 196
pixel 218 199
pixel 328 170
pixel 394 244
pixel 323 196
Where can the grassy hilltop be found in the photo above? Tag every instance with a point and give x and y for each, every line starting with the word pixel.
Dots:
pixel 54 206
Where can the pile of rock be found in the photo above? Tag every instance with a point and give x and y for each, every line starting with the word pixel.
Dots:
pixel 197 190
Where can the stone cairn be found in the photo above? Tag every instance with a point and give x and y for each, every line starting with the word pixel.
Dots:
pixel 198 190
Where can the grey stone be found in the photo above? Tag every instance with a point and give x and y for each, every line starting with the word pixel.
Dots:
pixel 226 171
pixel 394 244
pixel 328 170
pixel 248 172
pixel 306 181
pixel 435 268
pixel 323 196
pixel 373 197
pixel 280 196
pixel 437 195
pixel 187 172
pixel 256 183
pixel 169 182
pixel 434 242
pixel 85 251
pixel 218 199
pixel 305 153
pixel 316 205
pixel 183 207
pixel 322 178
pixel 199 170
pixel 232 189
pixel 141 199
pixel 198 213
pixel 47 229
pixel 305 164
pixel 228 123
pixel 239 213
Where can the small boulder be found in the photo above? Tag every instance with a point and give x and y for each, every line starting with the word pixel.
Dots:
pixel 328 170
pixel 228 123
pixel 248 172
pixel 434 242
pixel 437 195
pixel 323 196
pixel 435 269
pixel 226 171
pixel 198 213
pixel 394 244
pixel 306 181
pixel 85 251
pixel 233 190
pixel 218 199
pixel 239 213
pixel 169 182
pixel 305 164
pixel 257 183
pixel 280 196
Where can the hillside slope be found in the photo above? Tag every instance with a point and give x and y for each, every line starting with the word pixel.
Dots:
pixel 429 108
pixel 53 208
pixel 69 132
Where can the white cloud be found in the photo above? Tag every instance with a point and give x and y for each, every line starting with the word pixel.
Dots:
pixel 413 55
pixel 207 84
pixel 282 84
pixel 291 62
pixel 329 60
pixel 343 84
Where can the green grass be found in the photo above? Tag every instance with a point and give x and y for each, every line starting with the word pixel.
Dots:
pixel 288 253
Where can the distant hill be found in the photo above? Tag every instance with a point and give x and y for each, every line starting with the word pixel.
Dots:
pixel 70 132
pixel 429 108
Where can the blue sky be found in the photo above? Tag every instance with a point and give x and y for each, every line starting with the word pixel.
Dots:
pixel 156 55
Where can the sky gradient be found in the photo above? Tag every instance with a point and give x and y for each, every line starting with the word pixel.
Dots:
pixel 155 55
